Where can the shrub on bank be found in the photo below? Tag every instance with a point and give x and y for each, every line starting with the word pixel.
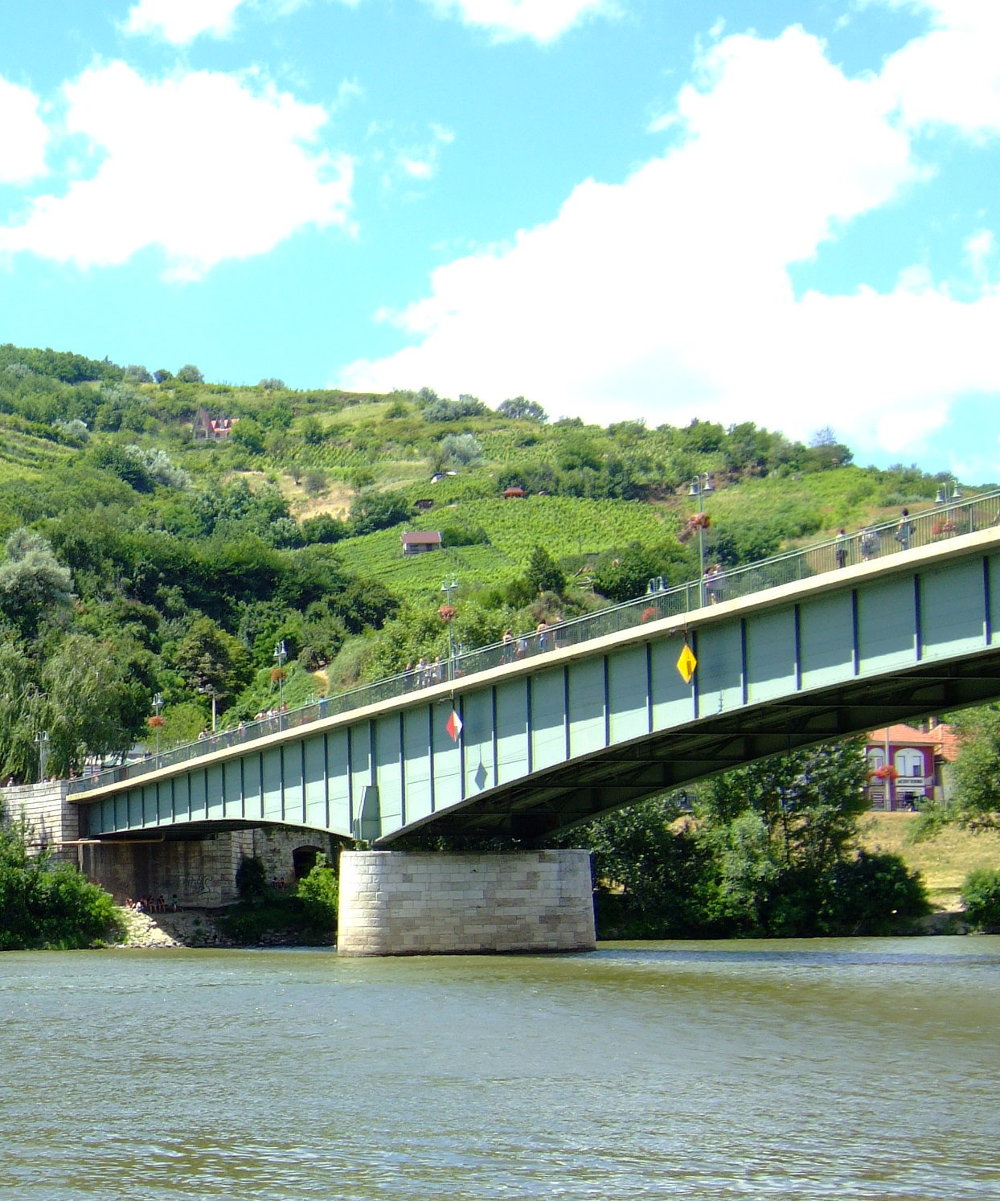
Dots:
pixel 981 898
pixel 49 906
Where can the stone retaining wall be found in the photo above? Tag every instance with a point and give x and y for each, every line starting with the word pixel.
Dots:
pixel 395 903
pixel 52 819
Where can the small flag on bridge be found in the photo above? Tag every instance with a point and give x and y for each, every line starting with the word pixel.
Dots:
pixel 454 726
pixel 687 663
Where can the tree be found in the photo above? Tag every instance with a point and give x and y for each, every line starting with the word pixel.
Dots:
pixel 975 804
pixel 22 712
pixel 543 574
pixel 651 872
pixel 189 374
pixel 626 574
pixel 371 511
pixel 463 450
pixel 522 410
pixel 981 898
pixel 46 904
pixel 319 891
pixel 98 697
pixel 783 834
pixel 34 587
pixel 251 879
pixel 211 661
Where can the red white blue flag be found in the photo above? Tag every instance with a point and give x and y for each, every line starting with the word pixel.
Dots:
pixel 454 726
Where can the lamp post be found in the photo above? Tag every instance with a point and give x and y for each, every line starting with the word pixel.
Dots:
pixel 948 494
pixel 449 588
pixel 42 739
pixel 157 708
pixel 701 484
pixel 280 655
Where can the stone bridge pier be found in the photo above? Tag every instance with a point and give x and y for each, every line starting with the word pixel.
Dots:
pixel 428 903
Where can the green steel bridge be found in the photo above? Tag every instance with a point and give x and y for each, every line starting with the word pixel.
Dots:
pixel 636 700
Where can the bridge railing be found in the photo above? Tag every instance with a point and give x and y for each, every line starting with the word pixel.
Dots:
pixel 948 519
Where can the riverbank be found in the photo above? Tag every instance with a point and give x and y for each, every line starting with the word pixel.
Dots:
pixel 200 927
pixel 183 928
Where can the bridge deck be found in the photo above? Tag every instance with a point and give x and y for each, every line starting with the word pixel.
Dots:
pixel 560 737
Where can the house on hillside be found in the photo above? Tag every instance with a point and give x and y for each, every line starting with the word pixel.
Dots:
pixel 907 765
pixel 418 542
pixel 513 493
pixel 207 428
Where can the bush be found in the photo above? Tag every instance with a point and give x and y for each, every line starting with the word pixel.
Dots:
pixel 47 906
pixel 981 898
pixel 320 892
pixel 251 879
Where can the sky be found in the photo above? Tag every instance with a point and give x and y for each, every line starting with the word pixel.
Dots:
pixel 739 210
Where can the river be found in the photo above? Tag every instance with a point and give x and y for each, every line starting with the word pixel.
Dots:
pixel 803 1069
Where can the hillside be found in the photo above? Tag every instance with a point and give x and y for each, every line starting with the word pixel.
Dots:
pixel 171 540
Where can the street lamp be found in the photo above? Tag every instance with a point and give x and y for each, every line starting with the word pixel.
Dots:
pixel 42 738
pixel 701 484
pixel 948 494
pixel 157 708
pixel 280 655
pixel 449 587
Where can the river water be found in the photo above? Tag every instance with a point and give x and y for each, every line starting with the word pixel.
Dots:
pixel 813 1069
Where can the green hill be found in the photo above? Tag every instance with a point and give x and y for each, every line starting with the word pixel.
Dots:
pixel 142 561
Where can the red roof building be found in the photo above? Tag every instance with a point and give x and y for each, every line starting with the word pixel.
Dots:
pixel 907 765
pixel 420 541
pixel 212 429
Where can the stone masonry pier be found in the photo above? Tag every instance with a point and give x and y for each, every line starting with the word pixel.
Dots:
pixel 424 903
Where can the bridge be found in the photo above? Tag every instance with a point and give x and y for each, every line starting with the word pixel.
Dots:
pixel 636 701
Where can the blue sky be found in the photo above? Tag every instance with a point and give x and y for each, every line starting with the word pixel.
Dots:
pixel 749 210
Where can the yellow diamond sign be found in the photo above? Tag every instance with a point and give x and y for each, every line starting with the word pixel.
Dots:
pixel 687 663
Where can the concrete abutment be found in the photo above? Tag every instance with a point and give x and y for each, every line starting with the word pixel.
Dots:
pixel 429 903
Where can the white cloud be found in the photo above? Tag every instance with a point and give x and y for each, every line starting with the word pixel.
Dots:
pixel 181 21
pixel 669 296
pixel 23 135
pixel 950 75
pixel 421 163
pixel 206 167
pixel 542 20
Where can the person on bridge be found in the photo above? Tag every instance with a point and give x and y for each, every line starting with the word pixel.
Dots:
pixel 904 531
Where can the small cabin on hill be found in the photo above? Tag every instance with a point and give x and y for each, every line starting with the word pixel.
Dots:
pixel 418 542
pixel 207 428
pixel 514 493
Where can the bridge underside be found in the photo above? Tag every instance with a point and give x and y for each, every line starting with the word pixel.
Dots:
pixel 580 790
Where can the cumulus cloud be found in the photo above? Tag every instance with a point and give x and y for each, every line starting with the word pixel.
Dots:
pixel 951 75
pixel 23 135
pixel 203 166
pixel 670 294
pixel 181 21
pixel 670 291
pixel 541 20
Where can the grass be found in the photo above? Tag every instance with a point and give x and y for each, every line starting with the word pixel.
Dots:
pixel 944 862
